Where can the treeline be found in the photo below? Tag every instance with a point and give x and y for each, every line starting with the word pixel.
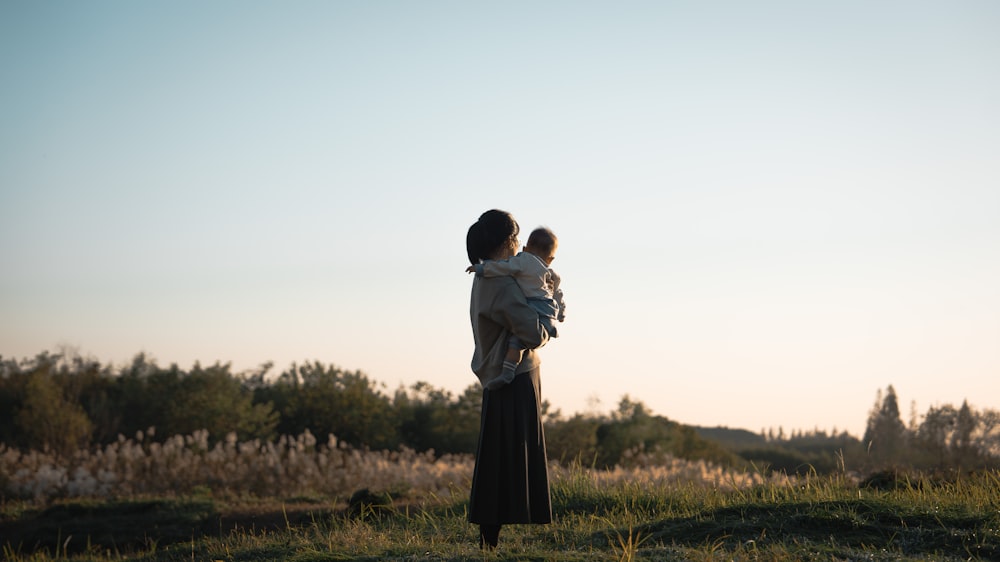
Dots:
pixel 944 438
pixel 63 403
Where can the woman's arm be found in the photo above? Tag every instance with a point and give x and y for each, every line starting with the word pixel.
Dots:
pixel 511 310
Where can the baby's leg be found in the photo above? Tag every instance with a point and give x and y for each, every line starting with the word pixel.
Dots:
pixel 513 355
pixel 510 362
pixel 513 358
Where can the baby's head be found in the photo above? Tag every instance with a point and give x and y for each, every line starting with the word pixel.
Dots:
pixel 543 243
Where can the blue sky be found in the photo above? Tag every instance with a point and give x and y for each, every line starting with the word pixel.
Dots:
pixel 767 210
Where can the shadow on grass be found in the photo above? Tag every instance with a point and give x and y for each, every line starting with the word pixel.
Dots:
pixel 141 526
pixel 841 528
pixel 124 526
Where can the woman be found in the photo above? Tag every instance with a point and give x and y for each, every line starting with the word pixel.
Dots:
pixel 510 483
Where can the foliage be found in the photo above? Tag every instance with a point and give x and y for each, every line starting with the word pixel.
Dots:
pixel 633 427
pixel 143 399
pixel 805 453
pixel 62 401
pixel 215 401
pixel 628 485
pixel 573 439
pixel 885 433
pixel 328 400
pixel 609 441
pixel 47 418
pixel 946 438
pixel 431 419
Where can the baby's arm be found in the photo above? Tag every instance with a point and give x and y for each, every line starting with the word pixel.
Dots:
pixel 495 268
pixel 557 295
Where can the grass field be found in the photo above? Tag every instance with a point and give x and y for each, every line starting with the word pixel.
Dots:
pixel 819 518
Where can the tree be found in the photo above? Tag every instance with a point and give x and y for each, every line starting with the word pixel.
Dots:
pixel 46 419
pixel 935 433
pixel 214 400
pixel 573 440
pixel 885 434
pixel 987 439
pixel 327 400
pixel 966 422
pixel 632 427
pixel 464 417
pixel 629 409
pixel 13 380
pixel 961 438
pixel 430 418
pixel 87 383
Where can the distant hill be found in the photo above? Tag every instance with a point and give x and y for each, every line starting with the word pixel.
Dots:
pixel 732 439
pixel 800 454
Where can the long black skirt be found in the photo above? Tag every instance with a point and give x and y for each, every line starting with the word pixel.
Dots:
pixel 511 479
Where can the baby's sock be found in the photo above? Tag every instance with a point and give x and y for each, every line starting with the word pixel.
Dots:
pixel 506 376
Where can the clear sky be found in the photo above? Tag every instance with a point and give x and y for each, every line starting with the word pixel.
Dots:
pixel 767 210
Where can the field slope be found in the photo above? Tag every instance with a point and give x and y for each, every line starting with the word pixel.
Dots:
pixel 816 519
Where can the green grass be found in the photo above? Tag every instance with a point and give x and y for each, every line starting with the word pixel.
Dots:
pixel 817 519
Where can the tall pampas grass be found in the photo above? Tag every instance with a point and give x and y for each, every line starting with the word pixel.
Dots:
pixel 295 466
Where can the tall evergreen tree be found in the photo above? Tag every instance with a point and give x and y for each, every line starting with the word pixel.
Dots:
pixel 885 434
pixel 962 447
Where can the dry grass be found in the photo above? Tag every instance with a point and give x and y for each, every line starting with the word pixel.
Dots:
pixel 291 467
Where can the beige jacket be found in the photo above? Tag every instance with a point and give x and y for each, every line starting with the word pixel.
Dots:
pixel 536 279
pixel 498 309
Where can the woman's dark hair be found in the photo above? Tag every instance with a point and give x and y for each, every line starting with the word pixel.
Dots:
pixel 487 235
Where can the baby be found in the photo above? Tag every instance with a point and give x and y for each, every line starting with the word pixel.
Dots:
pixel 540 284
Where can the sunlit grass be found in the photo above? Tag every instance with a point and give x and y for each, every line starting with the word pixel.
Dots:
pixel 676 511
pixel 292 466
